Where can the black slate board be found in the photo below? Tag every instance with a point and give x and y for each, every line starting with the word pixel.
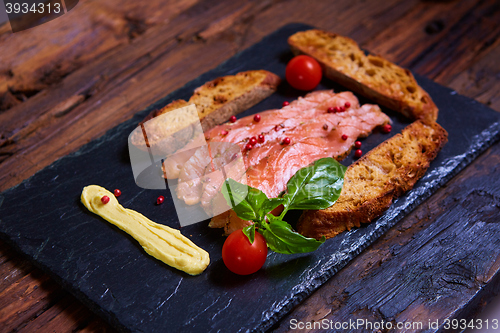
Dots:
pixel 104 267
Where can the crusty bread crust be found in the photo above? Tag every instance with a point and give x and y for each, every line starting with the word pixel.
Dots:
pixel 216 101
pixel 372 76
pixel 161 137
pixel 372 182
pixel 223 97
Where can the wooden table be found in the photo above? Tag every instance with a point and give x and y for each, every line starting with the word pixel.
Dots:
pixel 66 82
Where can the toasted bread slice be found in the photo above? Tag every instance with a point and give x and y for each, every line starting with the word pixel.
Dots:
pixel 165 134
pixel 223 97
pixel 372 76
pixel 372 182
pixel 216 101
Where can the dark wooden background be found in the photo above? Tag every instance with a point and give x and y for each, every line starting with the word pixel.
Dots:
pixel 66 82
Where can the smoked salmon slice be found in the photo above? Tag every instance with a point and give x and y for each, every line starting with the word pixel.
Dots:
pixel 313 131
pixel 272 173
pixel 290 116
pixel 194 186
pixel 322 137
pixel 271 165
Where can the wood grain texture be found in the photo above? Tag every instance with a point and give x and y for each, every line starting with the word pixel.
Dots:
pixel 421 271
pixel 66 82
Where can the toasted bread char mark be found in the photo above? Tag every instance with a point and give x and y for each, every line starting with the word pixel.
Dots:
pixel 216 101
pixel 372 76
pixel 371 183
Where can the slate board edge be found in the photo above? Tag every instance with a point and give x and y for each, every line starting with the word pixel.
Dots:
pixel 480 143
pixel 285 305
pixel 82 297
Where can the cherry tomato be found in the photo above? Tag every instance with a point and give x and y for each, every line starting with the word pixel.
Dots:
pixel 303 72
pixel 240 256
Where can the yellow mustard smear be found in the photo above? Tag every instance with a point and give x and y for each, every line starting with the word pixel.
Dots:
pixel 160 241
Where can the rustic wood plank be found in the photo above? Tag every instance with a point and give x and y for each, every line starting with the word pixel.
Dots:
pixel 425 26
pixel 123 59
pixel 26 298
pixel 441 40
pixel 19 135
pixel 432 265
pixel 72 41
pixel 133 77
pixel 96 325
pixel 229 29
pixel 50 308
pixel 461 46
pixel 479 81
pixel 358 19
pixel 74 99
pixel 141 64
pixel 12 270
pixel 67 315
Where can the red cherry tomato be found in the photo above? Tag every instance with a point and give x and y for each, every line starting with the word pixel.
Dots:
pixel 303 72
pixel 240 256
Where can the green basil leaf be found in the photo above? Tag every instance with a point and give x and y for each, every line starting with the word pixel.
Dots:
pixel 317 186
pixel 270 204
pixel 235 194
pixel 249 231
pixel 246 201
pixel 282 239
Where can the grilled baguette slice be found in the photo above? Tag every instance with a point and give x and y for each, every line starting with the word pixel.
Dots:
pixel 216 101
pixel 372 76
pixel 372 182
